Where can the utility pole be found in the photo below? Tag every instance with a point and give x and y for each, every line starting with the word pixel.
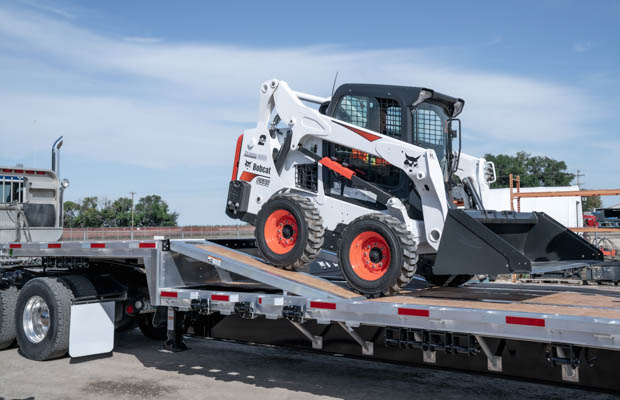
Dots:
pixel 132 194
pixel 577 176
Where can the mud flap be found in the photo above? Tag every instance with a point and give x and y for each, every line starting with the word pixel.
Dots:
pixel 502 242
pixel 91 329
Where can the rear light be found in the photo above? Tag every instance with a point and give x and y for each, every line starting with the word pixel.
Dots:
pixel 237 155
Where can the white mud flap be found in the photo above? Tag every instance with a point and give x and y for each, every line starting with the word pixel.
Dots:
pixel 92 329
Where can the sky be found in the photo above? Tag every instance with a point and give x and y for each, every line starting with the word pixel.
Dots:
pixel 150 96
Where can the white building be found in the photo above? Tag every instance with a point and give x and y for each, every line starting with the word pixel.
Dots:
pixel 566 210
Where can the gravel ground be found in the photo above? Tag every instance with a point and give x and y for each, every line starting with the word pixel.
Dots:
pixel 138 369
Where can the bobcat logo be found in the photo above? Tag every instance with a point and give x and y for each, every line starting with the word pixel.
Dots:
pixel 248 163
pixel 411 161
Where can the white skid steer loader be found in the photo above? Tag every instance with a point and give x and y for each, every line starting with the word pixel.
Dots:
pixel 373 175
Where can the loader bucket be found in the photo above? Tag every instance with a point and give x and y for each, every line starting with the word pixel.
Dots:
pixel 501 242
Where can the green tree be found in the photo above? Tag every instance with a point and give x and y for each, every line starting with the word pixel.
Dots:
pixel 90 215
pixel 533 170
pixel 93 213
pixel 117 213
pixel 153 211
pixel 71 212
pixel 591 203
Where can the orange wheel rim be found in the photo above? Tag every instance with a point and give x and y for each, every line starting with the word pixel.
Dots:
pixel 281 231
pixel 369 255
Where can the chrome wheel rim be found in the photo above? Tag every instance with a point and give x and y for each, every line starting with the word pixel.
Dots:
pixel 36 319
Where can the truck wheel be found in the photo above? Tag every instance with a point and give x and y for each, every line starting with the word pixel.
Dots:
pixel 148 329
pixel 8 298
pixel 80 285
pixel 289 231
pixel 377 255
pixel 42 318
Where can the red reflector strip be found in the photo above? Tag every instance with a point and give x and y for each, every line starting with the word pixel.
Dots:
pixel 97 245
pixel 15 246
pixel 7 170
pixel 169 294
pixel 260 300
pixel 147 245
pixel 323 305
pixel 54 245
pixel 413 312
pixel 525 321
pixel 18 171
pixel 40 172
pixel 219 297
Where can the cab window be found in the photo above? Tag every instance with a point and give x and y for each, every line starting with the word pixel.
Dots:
pixel 11 189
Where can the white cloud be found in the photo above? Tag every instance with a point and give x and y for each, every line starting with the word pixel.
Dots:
pixel 150 103
pixel 582 47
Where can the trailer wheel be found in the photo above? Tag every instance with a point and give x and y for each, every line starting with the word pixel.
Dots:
pixel 8 299
pixel 150 330
pixel 289 231
pixel 377 255
pixel 42 318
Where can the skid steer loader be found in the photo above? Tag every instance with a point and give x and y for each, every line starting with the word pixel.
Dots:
pixel 376 174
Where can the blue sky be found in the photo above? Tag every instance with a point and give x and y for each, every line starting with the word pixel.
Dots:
pixel 151 96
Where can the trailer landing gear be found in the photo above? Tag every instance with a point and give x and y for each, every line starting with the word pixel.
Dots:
pixel 174 343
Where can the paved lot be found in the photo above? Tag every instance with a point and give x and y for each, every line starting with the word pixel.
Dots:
pixel 224 370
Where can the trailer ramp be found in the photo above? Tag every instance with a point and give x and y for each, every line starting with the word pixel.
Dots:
pixel 236 262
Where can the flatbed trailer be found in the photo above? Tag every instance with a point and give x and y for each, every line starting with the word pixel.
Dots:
pixel 222 290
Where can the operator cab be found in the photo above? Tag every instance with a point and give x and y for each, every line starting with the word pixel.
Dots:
pixel 415 115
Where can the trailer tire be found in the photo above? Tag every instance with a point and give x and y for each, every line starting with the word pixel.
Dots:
pixel 8 300
pixel 145 323
pixel 45 336
pixel 300 244
pixel 80 285
pixel 377 255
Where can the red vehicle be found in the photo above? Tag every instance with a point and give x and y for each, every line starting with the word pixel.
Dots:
pixel 590 220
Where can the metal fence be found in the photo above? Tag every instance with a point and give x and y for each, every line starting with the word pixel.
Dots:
pixel 149 233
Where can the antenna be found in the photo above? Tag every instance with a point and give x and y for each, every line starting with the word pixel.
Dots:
pixel 334 85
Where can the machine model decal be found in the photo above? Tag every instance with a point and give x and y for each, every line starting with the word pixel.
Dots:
pixel 249 177
pixel 366 135
pixel 411 161
pixel 255 156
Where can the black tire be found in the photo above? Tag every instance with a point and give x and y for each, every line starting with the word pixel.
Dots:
pixel 8 300
pixel 148 329
pixel 402 255
pixel 310 231
pixel 58 298
pixel 80 285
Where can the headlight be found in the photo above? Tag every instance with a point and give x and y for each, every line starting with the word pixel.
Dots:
pixel 64 183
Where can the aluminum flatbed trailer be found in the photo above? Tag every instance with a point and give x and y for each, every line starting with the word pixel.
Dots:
pixel 557 334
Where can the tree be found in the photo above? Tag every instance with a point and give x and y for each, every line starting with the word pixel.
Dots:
pixel 591 203
pixel 93 213
pixel 71 212
pixel 117 213
pixel 89 215
pixel 533 170
pixel 153 211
